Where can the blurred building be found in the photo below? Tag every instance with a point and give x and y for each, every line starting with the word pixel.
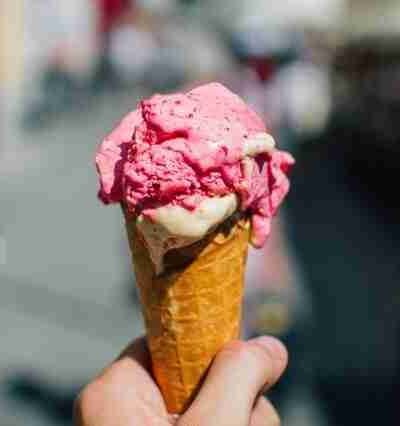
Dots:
pixel 371 17
pixel 322 14
pixel 11 42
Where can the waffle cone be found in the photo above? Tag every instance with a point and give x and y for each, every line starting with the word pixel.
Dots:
pixel 193 308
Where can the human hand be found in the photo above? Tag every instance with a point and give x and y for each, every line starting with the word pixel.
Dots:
pixel 125 394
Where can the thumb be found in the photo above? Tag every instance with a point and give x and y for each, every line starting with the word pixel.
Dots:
pixel 240 371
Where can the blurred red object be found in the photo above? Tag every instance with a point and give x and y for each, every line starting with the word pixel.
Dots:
pixel 110 12
pixel 265 68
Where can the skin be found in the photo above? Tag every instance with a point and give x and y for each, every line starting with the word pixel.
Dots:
pixel 125 394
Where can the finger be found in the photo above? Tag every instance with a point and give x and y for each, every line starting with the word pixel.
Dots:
pixel 131 367
pixel 131 370
pixel 264 414
pixel 238 374
pixel 125 386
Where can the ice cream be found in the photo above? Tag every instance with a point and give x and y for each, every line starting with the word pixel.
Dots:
pixel 174 226
pixel 191 172
pixel 183 163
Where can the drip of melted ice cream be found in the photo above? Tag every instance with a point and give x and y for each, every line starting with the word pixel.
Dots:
pixel 175 227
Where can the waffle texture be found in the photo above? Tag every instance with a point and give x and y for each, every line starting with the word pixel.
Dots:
pixel 193 308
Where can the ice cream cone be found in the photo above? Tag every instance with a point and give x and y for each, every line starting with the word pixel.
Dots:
pixel 193 308
pixel 191 170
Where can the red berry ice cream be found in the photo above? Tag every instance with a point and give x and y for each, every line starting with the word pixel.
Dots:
pixel 183 163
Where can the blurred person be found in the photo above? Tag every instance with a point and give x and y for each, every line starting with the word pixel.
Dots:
pixel 110 15
pixel 138 50
pixel 282 80
pixel 178 35
pixel 60 35
pixel 62 52
pixel 132 52
pixel 125 392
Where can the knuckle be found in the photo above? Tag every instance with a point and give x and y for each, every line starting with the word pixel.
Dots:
pixel 247 353
pixel 234 350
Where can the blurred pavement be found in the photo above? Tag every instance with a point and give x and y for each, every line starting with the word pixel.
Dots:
pixel 65 273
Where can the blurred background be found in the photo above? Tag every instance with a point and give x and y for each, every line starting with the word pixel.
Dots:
pixel 325 75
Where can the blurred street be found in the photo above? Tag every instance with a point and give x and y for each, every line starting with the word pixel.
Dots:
pixel 324 75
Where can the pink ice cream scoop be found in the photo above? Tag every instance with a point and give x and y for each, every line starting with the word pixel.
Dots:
pixel 181 149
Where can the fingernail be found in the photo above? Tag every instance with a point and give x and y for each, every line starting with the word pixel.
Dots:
pixel 275 347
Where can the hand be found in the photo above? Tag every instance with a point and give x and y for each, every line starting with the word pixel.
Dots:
pixel 125 394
